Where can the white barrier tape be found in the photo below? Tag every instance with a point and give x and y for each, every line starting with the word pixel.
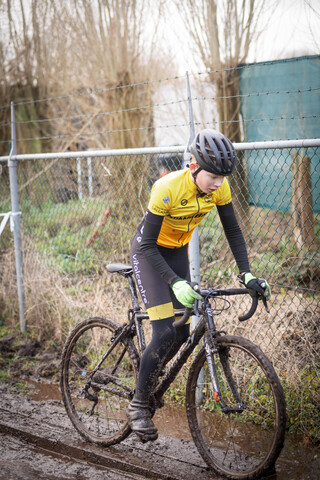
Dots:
pixel 6 217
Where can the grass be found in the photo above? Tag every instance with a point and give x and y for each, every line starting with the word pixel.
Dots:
pixel 20 387
pixel 303 402
pixel 77 237
pixel 4 376
pixel 271 249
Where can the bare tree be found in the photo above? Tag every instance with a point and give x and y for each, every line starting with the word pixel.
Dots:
pixel 54 48
pixel 222 32
pixel 114 52
pixel 28 65
pixel 98 56
pixel 113 46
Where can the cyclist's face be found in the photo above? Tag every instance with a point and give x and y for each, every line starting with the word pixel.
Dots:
pixel 206 181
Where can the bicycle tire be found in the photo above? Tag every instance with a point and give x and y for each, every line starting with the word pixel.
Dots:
pixel 247 443
pixel 96 404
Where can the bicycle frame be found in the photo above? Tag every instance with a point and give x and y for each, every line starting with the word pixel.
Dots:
pixel 137 316
pixel 205 328
pixel 183 355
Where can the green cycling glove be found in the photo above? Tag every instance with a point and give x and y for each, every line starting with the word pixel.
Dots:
pixel 185 293
pixel 260 285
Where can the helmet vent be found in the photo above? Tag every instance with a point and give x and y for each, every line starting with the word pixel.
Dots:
pixel 214 152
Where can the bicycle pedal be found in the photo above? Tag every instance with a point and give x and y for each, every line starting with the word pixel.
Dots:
pixel 234 409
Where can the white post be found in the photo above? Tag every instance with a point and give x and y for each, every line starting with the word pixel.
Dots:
pixel 90 177
pixel 79 178
pixel 15 217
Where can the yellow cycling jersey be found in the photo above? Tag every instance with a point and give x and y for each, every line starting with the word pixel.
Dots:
pixel 183 206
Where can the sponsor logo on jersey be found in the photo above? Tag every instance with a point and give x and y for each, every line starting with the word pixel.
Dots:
pixel 197 215
pixel 161 211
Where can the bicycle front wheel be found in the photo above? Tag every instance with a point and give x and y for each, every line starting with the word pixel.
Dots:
pixel 244 440
pixel 96 403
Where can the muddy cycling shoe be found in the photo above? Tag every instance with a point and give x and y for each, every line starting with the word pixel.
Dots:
pixel 139 419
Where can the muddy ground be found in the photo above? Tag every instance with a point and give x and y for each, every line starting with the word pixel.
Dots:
pixel 37 440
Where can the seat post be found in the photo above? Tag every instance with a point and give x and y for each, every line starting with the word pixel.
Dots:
pixel 133 291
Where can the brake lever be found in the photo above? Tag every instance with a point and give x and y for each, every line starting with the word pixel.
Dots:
pixel 265 304
pixel 263 285
pixel 196 308
pixel 196 304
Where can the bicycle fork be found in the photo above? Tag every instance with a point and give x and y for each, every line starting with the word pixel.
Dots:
pixel 212 349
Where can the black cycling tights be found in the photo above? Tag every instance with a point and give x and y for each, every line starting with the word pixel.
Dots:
pixel 165 343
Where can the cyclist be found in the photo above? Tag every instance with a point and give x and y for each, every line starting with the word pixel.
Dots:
pixel 159 254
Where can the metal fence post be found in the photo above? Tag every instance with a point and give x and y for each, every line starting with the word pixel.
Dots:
pixel 194 251
pixel 15 213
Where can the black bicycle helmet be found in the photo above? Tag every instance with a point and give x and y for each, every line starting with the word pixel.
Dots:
pixel 214 152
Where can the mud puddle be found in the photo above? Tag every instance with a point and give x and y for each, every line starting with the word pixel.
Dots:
pixel 298 461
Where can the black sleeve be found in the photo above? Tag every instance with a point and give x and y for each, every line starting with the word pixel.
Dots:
pixel 151 229
pixel 234 236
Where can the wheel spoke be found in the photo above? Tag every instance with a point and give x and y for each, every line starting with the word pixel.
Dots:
pixel 96 405
pixel 243 441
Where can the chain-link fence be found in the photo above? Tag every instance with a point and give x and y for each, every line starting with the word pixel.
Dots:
pixel 77 214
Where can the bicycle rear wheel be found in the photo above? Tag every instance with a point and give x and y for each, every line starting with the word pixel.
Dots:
pixel 241 444
pixel 96 403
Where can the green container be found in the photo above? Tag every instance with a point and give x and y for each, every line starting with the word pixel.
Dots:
pixel 280 101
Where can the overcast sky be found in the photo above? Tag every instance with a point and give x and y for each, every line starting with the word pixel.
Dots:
pixel 294 30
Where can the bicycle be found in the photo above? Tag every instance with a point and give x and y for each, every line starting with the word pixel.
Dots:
pixel 234 400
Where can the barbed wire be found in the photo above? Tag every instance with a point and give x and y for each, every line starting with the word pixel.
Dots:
pixel 257 64
pixel 204 98
pixel 95 91
pixel 164 104
pixel 150 82
pixel 87 115
pixel 260 94
pixel 103 132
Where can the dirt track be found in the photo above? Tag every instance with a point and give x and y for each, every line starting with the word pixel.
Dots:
pixel 37 441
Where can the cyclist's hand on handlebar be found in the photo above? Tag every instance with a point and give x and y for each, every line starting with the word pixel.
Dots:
pixel 260 285
pixel 185 293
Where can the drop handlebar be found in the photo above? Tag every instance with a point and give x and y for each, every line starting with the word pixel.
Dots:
pixel 216 292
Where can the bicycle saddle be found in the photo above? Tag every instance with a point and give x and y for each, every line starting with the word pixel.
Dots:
pixel 119 268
